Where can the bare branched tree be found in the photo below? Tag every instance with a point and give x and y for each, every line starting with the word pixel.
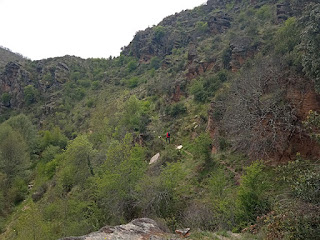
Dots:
pixel 258 118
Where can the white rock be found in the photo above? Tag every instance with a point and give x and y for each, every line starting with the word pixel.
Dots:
pixel 179 147
pixel 155 158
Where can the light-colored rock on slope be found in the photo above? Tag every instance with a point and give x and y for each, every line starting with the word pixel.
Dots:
pixel 138 229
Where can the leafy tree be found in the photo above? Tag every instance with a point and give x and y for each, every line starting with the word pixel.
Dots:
pixel 132 82
pixel 155 62
pixel 251 199
pixel 76 164
pixel 222 198
pixel 202 27
pixel 54 137
pixel 14 157
pixel 311 43
pixel 264 13
pixel 30 94
pixel 159 32
pixel 201 149
pixel 199 92
pixel 287 36
pixel 22 124
pixel 6 98
pixel 132 65
pixel 86 83
pixel 18 190
pixel 135 114
pixel 117 181
pixel 164 195
pixel 176 109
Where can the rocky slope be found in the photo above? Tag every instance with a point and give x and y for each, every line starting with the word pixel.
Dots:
pixel 138 229
pixel 233 81
pixel 7 56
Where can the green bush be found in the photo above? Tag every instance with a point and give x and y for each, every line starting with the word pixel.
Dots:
pixel 202 148
pixel 79 94
pixel 49 153
pixel 30 94
pixel 310 42
pixel 84 83
pixel 176 109
pixel 91 103
pixel 132 65
pixel 264 13
pixel 5 99
pixel 155 63
pixel 288 36
pixel 18 191
pixel 96 85
pixel 251 198
pixel 198 91
pixel 159 32
pixel 202 27
pixel 54 137
pixel 132 82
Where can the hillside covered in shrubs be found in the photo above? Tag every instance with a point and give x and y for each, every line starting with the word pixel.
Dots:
pixel 235 82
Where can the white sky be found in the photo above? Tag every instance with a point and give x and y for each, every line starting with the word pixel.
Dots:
pixel 86 28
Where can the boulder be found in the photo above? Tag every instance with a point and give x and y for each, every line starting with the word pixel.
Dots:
pixel 138 229
pixel 154 159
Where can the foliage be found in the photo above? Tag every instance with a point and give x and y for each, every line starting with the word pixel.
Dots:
pixel 287 36
pixel 202 27
pixel 159 32
pixel 85 139
pixel 202 148
pixel 264 13
pixel 22 124
pixel 132 65
pixel 155 62
pixel 14 157
pixel 5 99
pixel 310 44
pixel 135 114
pixel 176 109
pixel 251 198
pixel 30 94
pixel 133 82
pixel 116 182
pixel 199 92
pixel 207 86
pixel 54 137
pixel 296 214
pixel 76 164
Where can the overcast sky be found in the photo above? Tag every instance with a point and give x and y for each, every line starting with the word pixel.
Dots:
pixel 41 29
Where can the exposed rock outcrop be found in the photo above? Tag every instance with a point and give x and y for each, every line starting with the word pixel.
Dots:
pixel 138 229
pixel 178 31
pixel 242 49
pixel 12 82
pixel 6 56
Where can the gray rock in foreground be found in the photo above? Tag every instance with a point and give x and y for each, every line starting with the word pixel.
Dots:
pixel 138 229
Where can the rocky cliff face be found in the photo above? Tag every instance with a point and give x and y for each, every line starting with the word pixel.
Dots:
pixel 45 76
pixel 12 82
pixel 7 56
pixel 138 229
pixel 178 31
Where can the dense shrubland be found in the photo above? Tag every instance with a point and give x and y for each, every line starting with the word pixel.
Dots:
pixel 76 159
